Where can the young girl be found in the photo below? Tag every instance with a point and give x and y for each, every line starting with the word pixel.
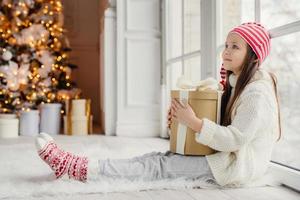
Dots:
pixel 244 140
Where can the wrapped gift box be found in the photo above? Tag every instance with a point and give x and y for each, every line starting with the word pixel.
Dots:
pixel 206 104
pixel 78 119
pixel 9 126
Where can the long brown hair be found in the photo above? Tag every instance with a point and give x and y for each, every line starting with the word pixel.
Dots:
pixel 249 67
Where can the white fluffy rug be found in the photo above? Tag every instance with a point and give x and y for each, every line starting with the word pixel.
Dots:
pixel 24 175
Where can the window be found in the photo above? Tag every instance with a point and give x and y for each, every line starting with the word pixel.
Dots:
pixel 191 26
pixel 231 13
pixel 183 40
pixel 181 36
pixel 276 13
pixel 284 61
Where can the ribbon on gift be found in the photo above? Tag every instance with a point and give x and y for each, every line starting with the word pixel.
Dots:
pixel 186 86
pixel 181 130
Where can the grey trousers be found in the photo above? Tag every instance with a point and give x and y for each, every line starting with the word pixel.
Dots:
pixel 157 166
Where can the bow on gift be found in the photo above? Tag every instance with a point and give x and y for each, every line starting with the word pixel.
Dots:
pixel 209 83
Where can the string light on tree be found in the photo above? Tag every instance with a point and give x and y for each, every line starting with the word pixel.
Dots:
pixel 34 66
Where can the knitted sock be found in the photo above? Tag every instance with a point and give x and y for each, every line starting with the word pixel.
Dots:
pixel 60 161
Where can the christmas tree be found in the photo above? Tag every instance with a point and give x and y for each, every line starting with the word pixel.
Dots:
pixel 34 65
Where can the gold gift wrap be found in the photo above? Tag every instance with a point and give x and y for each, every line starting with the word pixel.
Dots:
pixel 68 124
pixel 206 104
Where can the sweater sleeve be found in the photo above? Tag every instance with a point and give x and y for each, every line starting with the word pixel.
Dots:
pixel 250 116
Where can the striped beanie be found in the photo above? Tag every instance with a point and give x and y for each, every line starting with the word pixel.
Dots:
pixel 257 37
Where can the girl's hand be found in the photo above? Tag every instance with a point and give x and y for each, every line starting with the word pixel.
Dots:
pixel 184 114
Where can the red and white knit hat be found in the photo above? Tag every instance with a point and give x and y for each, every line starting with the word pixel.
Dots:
pixel 257 37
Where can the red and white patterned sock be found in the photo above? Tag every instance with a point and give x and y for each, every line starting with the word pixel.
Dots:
pixel 62 162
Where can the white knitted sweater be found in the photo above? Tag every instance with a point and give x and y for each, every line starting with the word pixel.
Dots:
pixel 246 145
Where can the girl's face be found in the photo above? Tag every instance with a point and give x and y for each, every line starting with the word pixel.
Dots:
pixel 234 53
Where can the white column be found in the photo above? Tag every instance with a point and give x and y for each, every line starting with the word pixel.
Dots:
pixel 110 70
